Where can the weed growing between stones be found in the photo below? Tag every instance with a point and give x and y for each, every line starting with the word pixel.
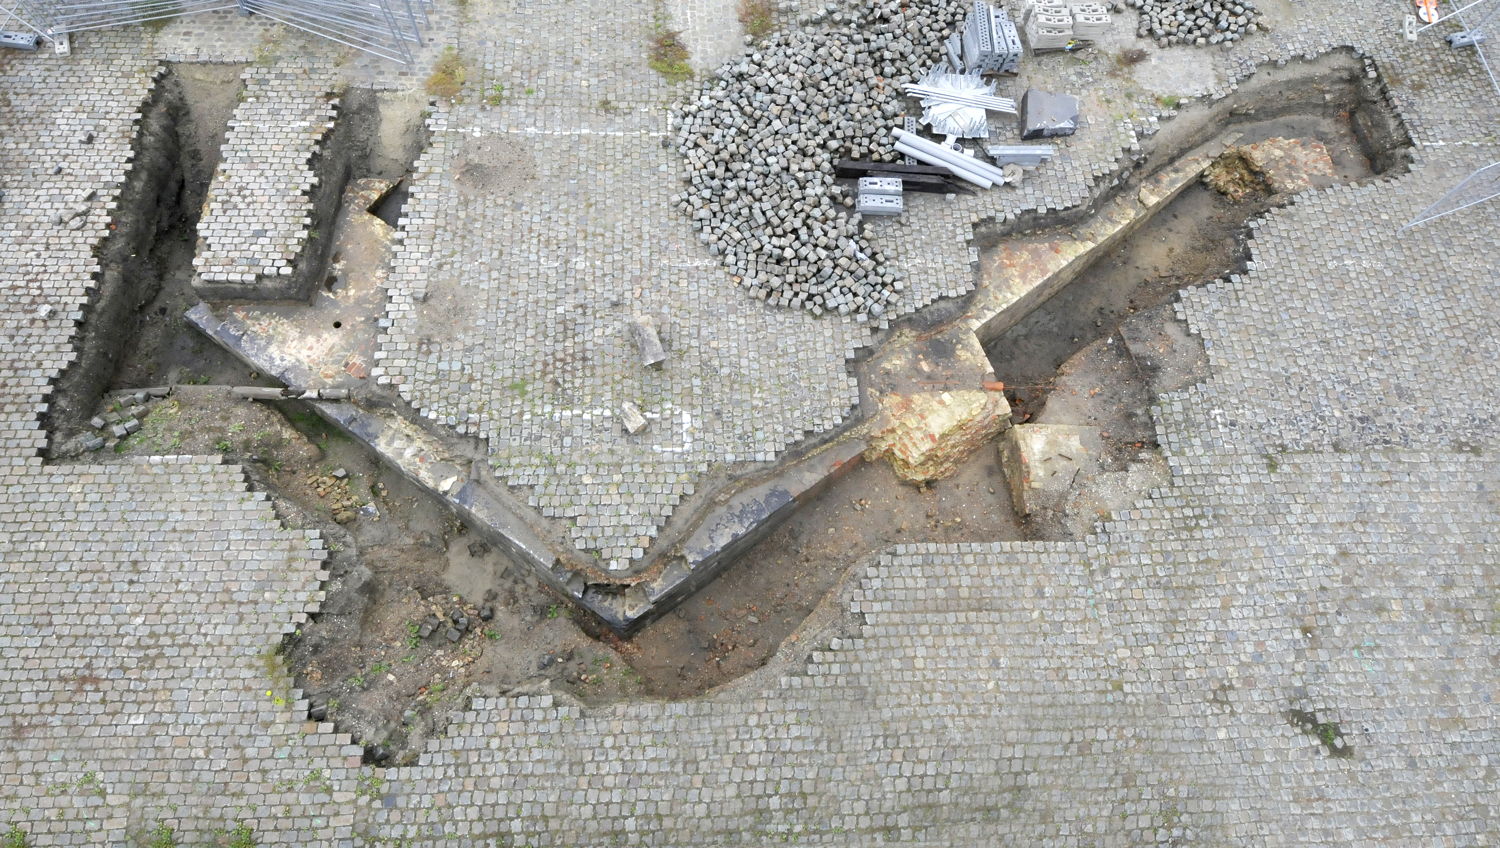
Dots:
pixel 448 75
pixel 161 836
pixel 1326 732
pixel 15 837
pixel 241 835
pixel 757 17
pixel 669 56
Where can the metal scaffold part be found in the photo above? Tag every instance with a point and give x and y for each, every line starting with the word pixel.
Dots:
pixel 1476 188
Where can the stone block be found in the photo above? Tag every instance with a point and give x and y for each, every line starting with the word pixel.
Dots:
pixel 647 338
pixel 631 418
pixel 1042 461
pixel 926 435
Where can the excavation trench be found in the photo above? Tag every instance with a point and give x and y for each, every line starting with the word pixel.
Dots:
pixel 133 334
pixel 1070 349
pixel 1199 236
pixel 420 608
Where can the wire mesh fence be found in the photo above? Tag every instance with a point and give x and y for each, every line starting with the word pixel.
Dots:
pixel 1471 25
pixel 387 28
pixel 1476 188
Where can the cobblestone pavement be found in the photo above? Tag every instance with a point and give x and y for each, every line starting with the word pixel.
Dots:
pixel 577 151
pixel 140 602
pixel 1293 643
pixel 525 342
pixel 258 210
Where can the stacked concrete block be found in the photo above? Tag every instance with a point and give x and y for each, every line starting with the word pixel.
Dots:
pixel 989 40
pixel 259 211
pixel 880 204
pixel 879 196
pixel 880 185
pixel 1049 27
pixel 1025 155
pixel 1054 26
pixel 1090 21
pixel 19 40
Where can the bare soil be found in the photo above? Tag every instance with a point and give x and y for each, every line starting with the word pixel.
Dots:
pixel 733 625
pixel 1200 236
pixel 398 559
pixel 163 350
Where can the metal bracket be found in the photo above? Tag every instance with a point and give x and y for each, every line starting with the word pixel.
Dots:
pixel 62 45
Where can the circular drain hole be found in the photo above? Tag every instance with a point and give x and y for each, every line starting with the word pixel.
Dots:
pixel 338 324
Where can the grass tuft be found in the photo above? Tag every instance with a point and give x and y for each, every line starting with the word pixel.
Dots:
pixel 669 56
pixel 448 75
pixel 758 17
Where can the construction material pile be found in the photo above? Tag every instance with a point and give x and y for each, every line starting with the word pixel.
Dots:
pixel 1195 22
pixel 957 104
pixel 1058 26
pixel 761 138
pixel 988 43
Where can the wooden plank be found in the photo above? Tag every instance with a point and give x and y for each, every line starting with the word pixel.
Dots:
pixel 851 168
pixel 928 183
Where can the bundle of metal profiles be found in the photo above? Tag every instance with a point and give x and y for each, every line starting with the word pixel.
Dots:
pixel 980 98
pixel 955 104
pixel 386 28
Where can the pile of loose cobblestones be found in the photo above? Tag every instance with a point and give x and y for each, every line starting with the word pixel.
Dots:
pixel 1196 22
pixel 761 137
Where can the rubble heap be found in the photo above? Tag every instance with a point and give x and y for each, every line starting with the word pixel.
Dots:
pixel 1195 22
pixel 761 137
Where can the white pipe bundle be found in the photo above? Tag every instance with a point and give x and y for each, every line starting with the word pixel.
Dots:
pixel 963 167
pixel 954 169
pixel 985 169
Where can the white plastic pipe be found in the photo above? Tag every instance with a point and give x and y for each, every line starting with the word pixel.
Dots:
pixel 957 171
pixel 963 170
pixel 987 171
pixel 984 169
